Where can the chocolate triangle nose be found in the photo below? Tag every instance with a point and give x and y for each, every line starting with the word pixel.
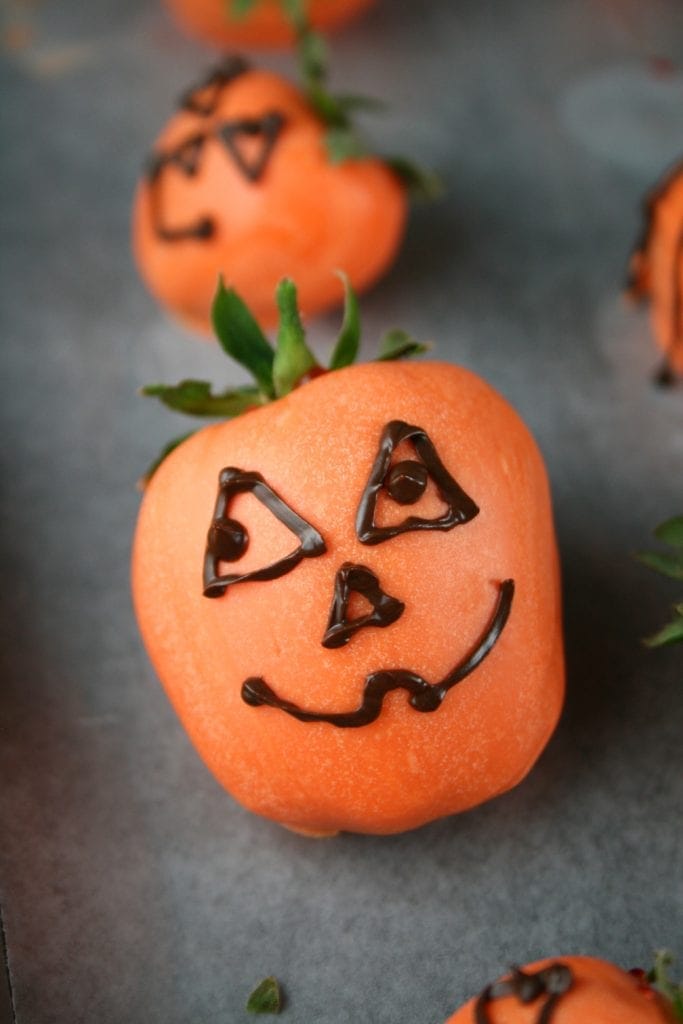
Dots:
pixel 352 578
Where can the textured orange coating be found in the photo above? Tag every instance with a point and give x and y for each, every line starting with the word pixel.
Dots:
pixel 601 994
pixel 316 448
pixel 657 265
pixel 265 25
pixel 304 218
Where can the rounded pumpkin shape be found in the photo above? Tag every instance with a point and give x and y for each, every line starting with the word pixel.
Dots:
pixel 657 268
pixel 597 993
pixel 240 184
pixel 407 662
pixel 265 25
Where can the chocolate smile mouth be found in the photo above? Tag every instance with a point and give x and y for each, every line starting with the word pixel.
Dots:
pixel 424 696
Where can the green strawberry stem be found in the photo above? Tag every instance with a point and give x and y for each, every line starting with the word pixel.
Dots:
pixel 276 370
pixel 669 564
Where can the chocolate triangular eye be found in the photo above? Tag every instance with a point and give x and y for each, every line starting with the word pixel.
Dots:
pixel 405 482
pixel 250 141
pixel 228 540
pixel 203 98
pixel 356 578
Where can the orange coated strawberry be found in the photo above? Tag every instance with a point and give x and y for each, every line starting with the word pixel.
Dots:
pixel 241 182
pixel 351 593
pixel 568 990
pixel 656 273
pixel 266 23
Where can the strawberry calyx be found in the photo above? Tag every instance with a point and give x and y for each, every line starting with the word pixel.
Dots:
pixel 337 111
pixel 277 370
pixel 343 141
pixel 669 564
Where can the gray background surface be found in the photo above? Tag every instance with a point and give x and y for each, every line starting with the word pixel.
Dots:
pixel 133 889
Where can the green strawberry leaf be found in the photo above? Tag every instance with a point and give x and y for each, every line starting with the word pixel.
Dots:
pixel 671 633
pixel 397 344
pixel 312 53
pixel 348 341
pixel 659 979
pixel 343 144
pixel 420 182
pixel 165 451
pixel 241 337
pixel 668 565
pixel 296 11
pixel 351 102
pixel 238 9
pixel 195 398
pixel 671 532
pixel 293 358
pixel 266 997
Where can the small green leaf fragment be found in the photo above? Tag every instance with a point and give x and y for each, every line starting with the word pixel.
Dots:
pixel 165 451
pixel 668 565
pixel 352 102
pixel 398 344
pixel 297 12
pixel 238 9
pixel 343 144
pixel 195 398
pixel 672 633
pixel 241 337
pixel 312 52
pixel 266 997
pixel 293 358
pixel 671 532
pixel 348 341
pixel 659 978
pixel 420 182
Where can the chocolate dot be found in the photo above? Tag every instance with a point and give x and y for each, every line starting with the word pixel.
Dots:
pixel 227 540
pixel 407 481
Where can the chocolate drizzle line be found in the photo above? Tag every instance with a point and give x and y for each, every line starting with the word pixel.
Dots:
pixel 203 98
pixel 228 539
pixel 639 285
pixel 405 483
pixel 186 155
pixel 553 981
pixel 358 578
pixel 424 696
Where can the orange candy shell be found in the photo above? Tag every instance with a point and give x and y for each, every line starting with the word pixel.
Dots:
pixel 266 25
pixel 658 268
pixel 601 994
pixel 316 447
pixel 305 217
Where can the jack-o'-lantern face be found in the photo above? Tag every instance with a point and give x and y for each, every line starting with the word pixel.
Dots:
pixel 239 183
pixel 404 483
pixel 325 586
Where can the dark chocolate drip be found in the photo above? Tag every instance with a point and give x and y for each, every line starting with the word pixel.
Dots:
pixel 358 578
pixel 227 538
pixel 405 483
pixel 424 696
pixel 203 98
pixel 267 128
pixel 553 982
